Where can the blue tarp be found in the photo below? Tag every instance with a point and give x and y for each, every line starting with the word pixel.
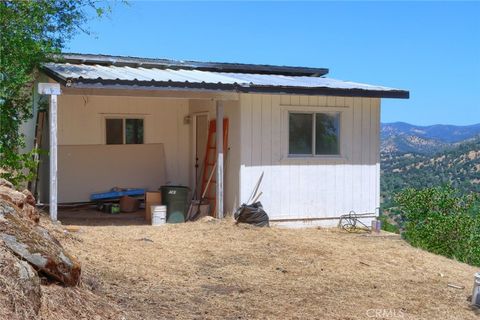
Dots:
pixel 116 194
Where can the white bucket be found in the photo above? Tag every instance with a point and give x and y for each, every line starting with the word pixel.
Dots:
pixel 476 290
pixel 159 215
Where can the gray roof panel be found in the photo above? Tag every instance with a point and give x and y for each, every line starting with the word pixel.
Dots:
pixel 122 61
pixel 97 74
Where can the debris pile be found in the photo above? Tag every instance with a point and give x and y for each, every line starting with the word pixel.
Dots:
pixel 29 254
pixel 253 213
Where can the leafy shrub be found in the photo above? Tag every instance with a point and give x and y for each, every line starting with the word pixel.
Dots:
pixel 388 226
pixel 442 221
pixel 19 168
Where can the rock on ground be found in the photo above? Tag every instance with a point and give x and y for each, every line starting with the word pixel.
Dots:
pixel 6 183
pixel 35 245
pixel 20 292
pixel 23 200
pixel 29 250
pixel 29 198
pixel 13 196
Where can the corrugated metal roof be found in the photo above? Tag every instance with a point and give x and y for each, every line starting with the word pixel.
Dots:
pixel 82 75
pixel 122 61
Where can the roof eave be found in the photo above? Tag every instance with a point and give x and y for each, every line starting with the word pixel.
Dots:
pixel 326 91
pixel 54 75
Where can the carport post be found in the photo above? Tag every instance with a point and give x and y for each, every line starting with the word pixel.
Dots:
pixel 52 89
pixel 219 147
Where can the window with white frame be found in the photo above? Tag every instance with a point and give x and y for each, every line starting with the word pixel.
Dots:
pixel 124 130
pixel 313 134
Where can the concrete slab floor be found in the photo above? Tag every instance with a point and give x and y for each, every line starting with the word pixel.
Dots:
pixel 91 217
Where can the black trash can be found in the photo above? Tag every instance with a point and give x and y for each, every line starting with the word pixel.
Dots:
pixel 176 200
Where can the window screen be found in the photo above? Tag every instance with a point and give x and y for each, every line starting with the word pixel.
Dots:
pixel 300 133
pixel 134 131
pixel 114 131
pixel 327 133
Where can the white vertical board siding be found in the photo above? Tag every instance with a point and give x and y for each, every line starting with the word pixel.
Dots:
pixel 376 150
pixel 312 188
pixel 232 160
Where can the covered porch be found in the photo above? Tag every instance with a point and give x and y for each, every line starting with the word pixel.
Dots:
pixel 160 140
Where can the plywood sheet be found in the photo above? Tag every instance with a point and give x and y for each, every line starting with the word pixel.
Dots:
pixel 84 169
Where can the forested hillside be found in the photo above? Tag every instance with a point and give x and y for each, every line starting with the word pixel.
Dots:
pixel 458 166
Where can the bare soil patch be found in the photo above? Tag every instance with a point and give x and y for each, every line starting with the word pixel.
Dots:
pixel 218 270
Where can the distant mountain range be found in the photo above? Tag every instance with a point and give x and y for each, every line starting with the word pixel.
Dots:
pixel 401 137
pixel 419 157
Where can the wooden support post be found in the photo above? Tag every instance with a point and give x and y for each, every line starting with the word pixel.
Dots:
pixel 219 142
pixel 53 89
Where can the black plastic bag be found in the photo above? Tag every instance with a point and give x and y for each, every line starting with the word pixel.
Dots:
pixel 252 214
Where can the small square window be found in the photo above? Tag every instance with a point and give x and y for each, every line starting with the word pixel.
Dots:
pixel 327 134
pixel 124 131
pixel 300 133
pixel 114 131
pixel 134 131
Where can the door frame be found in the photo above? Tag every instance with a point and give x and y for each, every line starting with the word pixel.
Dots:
pixel 194 117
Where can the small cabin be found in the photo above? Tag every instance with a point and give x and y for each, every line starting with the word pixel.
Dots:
pixel 144 123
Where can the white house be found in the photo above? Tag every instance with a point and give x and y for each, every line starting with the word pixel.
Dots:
pixel 136 122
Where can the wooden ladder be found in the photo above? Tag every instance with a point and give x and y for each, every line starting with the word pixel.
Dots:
pixel 37 144
pixel 211 160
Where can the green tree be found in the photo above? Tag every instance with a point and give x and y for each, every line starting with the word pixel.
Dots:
pixel 31 32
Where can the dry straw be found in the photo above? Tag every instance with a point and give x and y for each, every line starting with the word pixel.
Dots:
pixel 219 270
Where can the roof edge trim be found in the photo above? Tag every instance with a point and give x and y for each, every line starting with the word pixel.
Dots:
pixel 326 91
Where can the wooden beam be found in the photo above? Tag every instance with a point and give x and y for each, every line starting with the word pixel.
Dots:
pixel 219 142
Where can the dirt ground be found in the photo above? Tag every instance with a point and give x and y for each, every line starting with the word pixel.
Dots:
pixel 219 270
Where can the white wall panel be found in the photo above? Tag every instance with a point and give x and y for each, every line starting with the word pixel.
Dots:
pixel 292 188
pixel 310 187
pixel 81 121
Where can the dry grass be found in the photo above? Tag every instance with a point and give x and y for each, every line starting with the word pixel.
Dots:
pixel 52 301
pixel 67 303
pixel 17 296
pixel 210 270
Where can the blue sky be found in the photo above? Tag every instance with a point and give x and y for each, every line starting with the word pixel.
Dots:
pixel 429 48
